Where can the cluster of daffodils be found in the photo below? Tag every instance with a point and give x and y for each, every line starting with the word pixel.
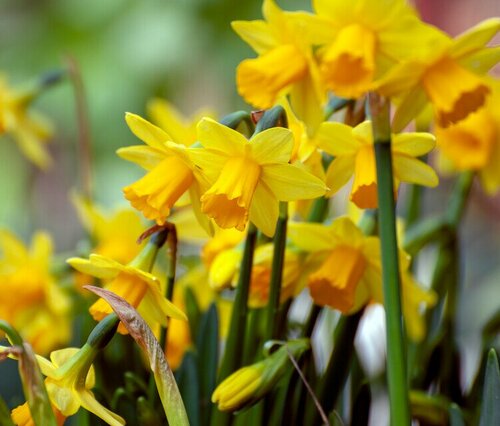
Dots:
pixel 290 207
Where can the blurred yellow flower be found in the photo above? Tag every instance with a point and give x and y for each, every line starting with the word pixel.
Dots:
pixel 113 235
pixel 170 173
pixel 355 155
pixel 346 271
pixel 447 77
pixel 285 65
pixel 362 39
pixel 474 143
pixel 21 416
pixel 250 177
pixel 140 289
pixel 30 130
pixel 31 299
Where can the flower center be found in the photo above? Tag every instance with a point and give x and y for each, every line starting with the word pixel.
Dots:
pixel 454 91
pixel 334 283
pixel 228 200
pixel 260 80
pixel 364 188
pixel 156 193
pixel 348 63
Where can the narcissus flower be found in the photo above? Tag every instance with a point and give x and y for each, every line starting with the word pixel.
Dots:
pixel 114 234
pixel 447 78
pixel 474 143
pixel 347 272
pixel 362 39
pixel 250 177
pixel 355 155
pixel 285 65
pixel 249 384
pixel 139 288
pixel 30 130
pixel 31 299
pixel 171 173
pixel 21 416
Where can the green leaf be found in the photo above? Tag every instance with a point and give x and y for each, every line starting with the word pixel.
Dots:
pixel 31 378
pixel 431 409
pixel 207 345
pixel 187 378
pixel 455 415
pixel 5 419
pixel 490 411
pixel 144 337
pixel 192 309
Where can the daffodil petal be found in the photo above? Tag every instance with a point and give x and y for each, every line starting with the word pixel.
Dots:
pixel 146 131
pixel 413 144
pixel 337 139
pixel 168 118
pixel 411 170
pixel 289 183
pixel 195 194
pixel 89 402
pixel 339 172
pixel 310 237
pixel 402 78
pixel 483 60
pixel 42 248
pixel 217 137
pixel 92 267
pixel 475 38
pixel 264 209
pixel 272 146
pixel 32 147
pixel 257 34
pixel 344 229
pixel 210 162
pixel 146 157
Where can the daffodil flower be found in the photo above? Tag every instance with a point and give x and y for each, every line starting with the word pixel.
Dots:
pixel 285 65
pixel 447 78
pixel 70 377
pixel 171 173
pixel 140 289
pixel 346 271
pixel 249 177
pixel 21 416
pixel 31 299
pixel 474 143
pixel 30 130
pixel 354 155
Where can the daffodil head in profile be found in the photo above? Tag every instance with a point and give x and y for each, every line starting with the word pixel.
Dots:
pixel 344 265
pixel 354 154
pixel 171 178
pixel 248 178
pixel 131 282
pixel 450 77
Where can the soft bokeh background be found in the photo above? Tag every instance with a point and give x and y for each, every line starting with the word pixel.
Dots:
pixel 185 51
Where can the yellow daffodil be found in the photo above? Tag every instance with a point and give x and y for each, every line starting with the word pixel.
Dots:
pixel 354 155
pixel 70 376
pixel 170 173
pixel 447 78
pixel 114 235
pixel 181 129
pixel 31 299
pixel 30 130
pixel 362 39
pixel 21 416
pixel 250 177
pixel 348 271
pixel 474 143
pixel 285 65
pixel 249 384
pixel 140 289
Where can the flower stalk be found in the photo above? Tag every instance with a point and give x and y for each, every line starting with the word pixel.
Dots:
pixel 396 356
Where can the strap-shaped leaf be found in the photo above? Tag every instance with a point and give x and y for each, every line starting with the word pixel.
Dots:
pixel 490 411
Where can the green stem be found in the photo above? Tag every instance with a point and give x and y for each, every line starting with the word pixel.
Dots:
pixel 273 305
pixel 396 356
pixel 233 353
pixel 458 200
